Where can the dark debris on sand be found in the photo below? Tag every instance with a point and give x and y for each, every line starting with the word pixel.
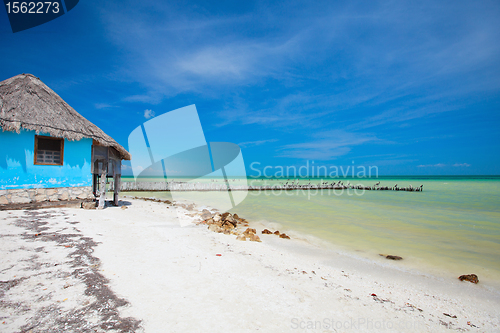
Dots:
pixel 99 315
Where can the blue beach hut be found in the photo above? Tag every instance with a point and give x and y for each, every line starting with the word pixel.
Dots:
pixel 49 153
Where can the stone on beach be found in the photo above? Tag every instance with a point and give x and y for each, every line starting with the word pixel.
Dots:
pixel 254 238
pixel 251 237
pixel 205 214
pixel 215 228
pixel 285 236
pixel 88 205
pixel 265 231
pixel 250 231
pixel 228 226
pixel 394 257
pixel 217 217
pixel 277 232
pixel 469 277
pixel 230 219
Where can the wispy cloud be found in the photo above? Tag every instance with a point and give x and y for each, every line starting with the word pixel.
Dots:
pixel 210 53
pixel 344 68
pixel 438 165
pixel 292 110
pixel 255 143
pixel 326 145
pixel 176 51
pixel 442 165
pixel 101 106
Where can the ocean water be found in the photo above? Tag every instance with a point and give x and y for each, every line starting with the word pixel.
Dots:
pixel 449 229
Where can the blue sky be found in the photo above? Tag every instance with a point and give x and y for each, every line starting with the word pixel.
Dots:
pixel 411 87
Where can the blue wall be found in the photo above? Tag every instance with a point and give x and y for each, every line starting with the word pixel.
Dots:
pixel 18 171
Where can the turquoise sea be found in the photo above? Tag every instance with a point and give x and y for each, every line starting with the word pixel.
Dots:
pixel 449 229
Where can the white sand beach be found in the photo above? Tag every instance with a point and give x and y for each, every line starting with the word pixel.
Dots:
pixel 138 270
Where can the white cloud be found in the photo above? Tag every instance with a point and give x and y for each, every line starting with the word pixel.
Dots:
pixel 398 61
pixel 225 62
pixel 438 165
pixel 149 114
pixel 255 143
pixel 104 106
pixel 138 169
pixel 327 145
pixel 177 53
pixel 442 165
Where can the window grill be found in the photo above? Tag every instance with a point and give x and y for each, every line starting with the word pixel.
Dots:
pixel 48 150
pixel 49 157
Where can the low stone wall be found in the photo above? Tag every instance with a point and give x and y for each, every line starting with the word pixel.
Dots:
pixel 35 195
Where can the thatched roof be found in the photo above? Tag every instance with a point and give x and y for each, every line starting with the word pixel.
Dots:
pixel 27 103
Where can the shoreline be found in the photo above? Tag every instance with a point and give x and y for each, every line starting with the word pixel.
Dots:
pixel 173 280
pixel 411 265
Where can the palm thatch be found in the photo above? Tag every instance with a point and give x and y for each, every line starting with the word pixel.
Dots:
pixel 27 103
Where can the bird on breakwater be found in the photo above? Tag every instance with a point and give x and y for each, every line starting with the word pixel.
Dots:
pixel 377 184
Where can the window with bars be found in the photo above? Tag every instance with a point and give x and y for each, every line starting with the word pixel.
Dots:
pixel 48 150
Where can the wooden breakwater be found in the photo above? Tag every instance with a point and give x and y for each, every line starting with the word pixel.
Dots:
pixel 204 187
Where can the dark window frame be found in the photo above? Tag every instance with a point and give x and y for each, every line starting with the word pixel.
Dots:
pixel 61 140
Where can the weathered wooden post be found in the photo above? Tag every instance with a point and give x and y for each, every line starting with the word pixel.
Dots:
pixel 117 180
pixel 106 162
pixel 102 187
